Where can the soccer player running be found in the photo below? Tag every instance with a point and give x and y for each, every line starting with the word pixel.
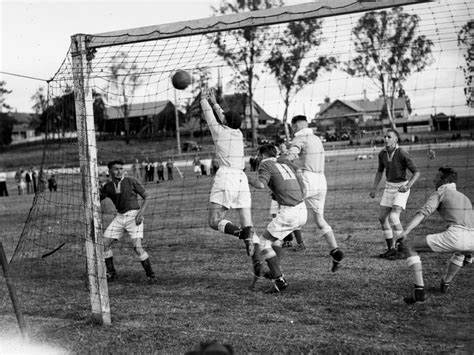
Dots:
pixel 306 146
pixel 456 210
pixel 292 214
pixel 123 191
pixel 230 189
pixel 395 161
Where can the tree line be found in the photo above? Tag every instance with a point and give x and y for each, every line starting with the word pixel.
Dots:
pixel 388 50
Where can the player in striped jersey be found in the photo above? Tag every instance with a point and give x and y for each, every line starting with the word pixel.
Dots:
pixel 292 214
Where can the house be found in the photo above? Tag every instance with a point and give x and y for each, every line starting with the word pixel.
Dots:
pixel 236 102
pixel 144 117
pixel 349 115
pixel 22 131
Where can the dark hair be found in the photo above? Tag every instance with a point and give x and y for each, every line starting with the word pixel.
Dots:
pixel 208 348
pixel 233 119
pixel 448 175
pixel 395 132
pixel 268 149
pixel 114 162
pixel 298 118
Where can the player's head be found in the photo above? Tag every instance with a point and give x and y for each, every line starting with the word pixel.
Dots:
pixel 115 169
pixel 299 122
pixel 268 150
pixel 445 175
pixel 391 137
pixel 233 119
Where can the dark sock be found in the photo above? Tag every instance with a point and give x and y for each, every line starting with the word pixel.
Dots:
pixel 109 265
pixel 274 266
pixel 232 229
pixel 245 233
pixel 298 236
pixel 337 254
pixel 389 243
pixel 147 267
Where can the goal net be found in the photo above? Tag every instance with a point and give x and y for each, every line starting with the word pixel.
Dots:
pixel 118 87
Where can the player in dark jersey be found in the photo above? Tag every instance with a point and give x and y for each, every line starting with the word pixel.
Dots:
pixel 123 191
pixel 292 214
pixel 395 161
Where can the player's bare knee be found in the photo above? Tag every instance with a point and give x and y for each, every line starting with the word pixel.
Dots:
pixel 394 218
pixel 214 222
pixel 139 250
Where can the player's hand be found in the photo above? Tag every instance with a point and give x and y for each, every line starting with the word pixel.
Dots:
pixel 204 92
pixel 372 194
pixel 403 188
pixel 139 220
pixel 212 96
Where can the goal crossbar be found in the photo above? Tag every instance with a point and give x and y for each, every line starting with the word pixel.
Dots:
pixel 272 16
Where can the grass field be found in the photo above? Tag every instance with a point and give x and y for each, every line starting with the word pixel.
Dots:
pixel 203 284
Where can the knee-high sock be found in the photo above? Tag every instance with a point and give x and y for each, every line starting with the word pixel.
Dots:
pixel 414 263
pixel 454 266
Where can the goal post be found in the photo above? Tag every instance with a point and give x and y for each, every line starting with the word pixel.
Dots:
pixel 87 146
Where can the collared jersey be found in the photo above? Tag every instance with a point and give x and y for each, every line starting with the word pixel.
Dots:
pixel 309 148
pixel 281 179
pixel 453 206
pixel 123 194
pixel 229 142
pixel 396 164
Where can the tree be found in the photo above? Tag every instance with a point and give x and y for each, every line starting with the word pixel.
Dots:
pixel 466 39
pixel 250 46
pixel 3 93
pixel 125 78
pixel 287 60
pixel 6 128
pixel 389 52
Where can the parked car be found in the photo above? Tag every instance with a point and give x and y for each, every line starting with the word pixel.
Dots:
pixel 190 146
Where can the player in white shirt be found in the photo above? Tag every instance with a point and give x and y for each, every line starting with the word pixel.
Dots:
pixel 456 210
pixel 307 150
pixel 230 189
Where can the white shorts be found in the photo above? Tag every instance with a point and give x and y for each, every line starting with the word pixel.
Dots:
pixel 231 189
pixel 274 207
pixel 124 222
pixel 455 238
pixel 288 219
pixel 314 190
pixel 197 169
pixel 391 197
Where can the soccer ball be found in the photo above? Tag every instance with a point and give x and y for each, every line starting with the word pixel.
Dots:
pixel 181 79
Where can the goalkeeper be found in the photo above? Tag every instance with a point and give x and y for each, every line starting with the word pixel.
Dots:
pixel 456 210
pixel 230 189
pixel 123 191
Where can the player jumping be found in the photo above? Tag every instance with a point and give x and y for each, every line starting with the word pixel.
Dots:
pixel 230 189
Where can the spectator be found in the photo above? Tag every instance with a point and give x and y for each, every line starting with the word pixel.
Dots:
pixel 19 181
pixel 169 167
pixel 52 184
pixel 3 184
pixel 29 181
pixel 160 171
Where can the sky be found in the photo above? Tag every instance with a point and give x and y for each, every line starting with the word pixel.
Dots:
pixel 35 34
pixel 35 37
